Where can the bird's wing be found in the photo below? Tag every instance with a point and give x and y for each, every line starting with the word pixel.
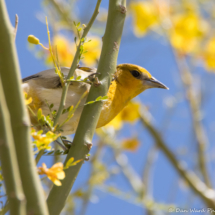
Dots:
pixel 49 79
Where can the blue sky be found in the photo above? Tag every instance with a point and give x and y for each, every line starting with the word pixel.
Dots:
pixel 153 53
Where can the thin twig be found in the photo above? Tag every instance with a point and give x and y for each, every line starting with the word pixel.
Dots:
pixel 74 64
pixel 205 193
pixel 64 15
pixel 200 135
pixel 16 26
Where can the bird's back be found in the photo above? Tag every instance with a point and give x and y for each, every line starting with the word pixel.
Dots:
pixel 45 88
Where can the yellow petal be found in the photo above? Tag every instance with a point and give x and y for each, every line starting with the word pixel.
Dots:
pixel 130 144
pixel 60 175
pixel 57 182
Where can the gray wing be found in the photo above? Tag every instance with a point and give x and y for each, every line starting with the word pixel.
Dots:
pixel 49 79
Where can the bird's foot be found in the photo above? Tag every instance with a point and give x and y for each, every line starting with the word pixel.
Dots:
pixel 94 80
pixel 67 143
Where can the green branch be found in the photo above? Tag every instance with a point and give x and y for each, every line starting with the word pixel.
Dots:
pixel 90 115
pixel 74 63
pixel 10 75
pixel 9 161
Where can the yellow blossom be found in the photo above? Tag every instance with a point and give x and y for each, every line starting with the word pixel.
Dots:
pixel 27 100
pixel 145 15
pixel 131 112
pixel 93 49
pixel 187 32
pixel 55 173
pixel 130 144
pixel 65 50
pixel 42 141
pixel 209 54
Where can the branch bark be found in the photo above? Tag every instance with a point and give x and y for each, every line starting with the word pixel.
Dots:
pixel 9 161
pixel 90 114
pixel 10 75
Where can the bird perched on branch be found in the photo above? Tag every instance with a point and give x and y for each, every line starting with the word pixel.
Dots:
pixel 45 87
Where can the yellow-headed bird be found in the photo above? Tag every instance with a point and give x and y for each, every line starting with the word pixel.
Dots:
pixel 129 81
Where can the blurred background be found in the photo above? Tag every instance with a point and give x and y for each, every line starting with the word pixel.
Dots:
pixel 153 156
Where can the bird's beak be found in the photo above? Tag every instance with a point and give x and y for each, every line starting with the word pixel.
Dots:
pixel 154 83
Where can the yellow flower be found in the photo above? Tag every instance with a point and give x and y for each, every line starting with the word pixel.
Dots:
pixel 209 54
pixel 64 51
pixel 145 15
pixel 131 112
pixel 42 141
pixel 55 173
pixel 93 51
pixel 130 144
pixel 27 100
pixel 187 32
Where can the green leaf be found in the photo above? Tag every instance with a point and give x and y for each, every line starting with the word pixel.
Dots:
pixel 39 114
pixel 99 98
pixel 78 24
pixel 51 106
pixel 71 108
pixel 104 98
pixel 91 102
pixel 69 162
pixel 78 78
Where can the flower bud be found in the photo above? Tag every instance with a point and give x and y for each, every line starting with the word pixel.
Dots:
pixel 32 39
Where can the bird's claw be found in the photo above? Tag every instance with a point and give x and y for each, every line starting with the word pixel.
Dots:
pixel 67 143
pixel 96 82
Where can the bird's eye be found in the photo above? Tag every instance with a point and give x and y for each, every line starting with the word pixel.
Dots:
pixel 135 73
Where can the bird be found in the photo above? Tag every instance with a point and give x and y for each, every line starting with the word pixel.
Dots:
pixel 128 81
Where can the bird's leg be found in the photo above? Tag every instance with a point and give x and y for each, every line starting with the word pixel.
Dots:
pixel 96 82
pixel 61 145
pixel 94 79
pixel 67 143
pixel 64 144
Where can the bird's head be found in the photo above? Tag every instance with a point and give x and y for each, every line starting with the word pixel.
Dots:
pixel 136 78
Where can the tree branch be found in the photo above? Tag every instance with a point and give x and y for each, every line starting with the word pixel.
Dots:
pixel 75 62
pixel 193 101
pixel 205 193
pixel 90 114
pixel 10 75
pixel 9 164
